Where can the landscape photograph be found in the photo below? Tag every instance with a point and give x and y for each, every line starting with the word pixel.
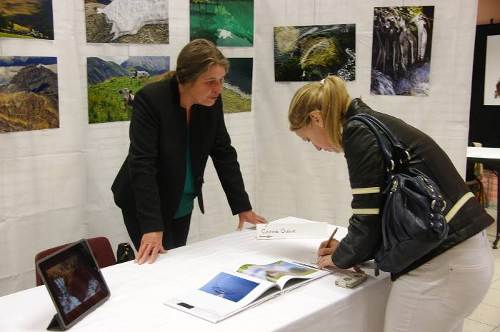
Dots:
pixel 401 50
pixel 113 82
pixel 31 19
pixel 127 21
pixel 224 22
pixel 237 91
pixel 29 98
pixel 310 53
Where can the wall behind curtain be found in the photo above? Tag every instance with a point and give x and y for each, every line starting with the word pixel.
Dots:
pixel 54 184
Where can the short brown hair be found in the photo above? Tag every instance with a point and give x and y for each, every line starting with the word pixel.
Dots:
pixel 330 97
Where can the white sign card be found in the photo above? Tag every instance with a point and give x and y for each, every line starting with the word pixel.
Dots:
pixel 292 230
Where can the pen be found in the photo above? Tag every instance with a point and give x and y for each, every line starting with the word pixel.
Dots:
pixel 329 243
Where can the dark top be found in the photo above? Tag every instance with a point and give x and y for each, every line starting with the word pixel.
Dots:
pixel 186 205
pixel 153 174
pixel 367 174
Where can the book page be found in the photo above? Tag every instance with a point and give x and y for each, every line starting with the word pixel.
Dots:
pixel 281 272
pixel 225 294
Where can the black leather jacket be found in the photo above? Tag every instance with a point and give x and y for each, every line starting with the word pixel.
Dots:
pixel 367 176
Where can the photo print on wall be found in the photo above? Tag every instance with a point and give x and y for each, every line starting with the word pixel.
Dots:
pixel 113 81
pixel 492 71
pixel 26 19
pixel 28 93
pixel 401 51
pixel 237 92
pixel 127 21
pixel 310 53
pixel 224 22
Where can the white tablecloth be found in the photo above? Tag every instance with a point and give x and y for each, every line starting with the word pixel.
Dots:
pixel 138 291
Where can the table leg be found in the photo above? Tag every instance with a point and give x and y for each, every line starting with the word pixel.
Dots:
pixel 495 243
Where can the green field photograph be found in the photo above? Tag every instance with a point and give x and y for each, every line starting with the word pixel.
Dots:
pixel 31 19
pixel 113 81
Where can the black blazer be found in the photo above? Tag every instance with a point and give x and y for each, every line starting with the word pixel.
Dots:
pixel 152 177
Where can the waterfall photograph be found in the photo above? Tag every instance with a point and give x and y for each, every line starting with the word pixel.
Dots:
pixel 401 51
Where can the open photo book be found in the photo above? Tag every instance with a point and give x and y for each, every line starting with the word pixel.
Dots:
pixel 230 292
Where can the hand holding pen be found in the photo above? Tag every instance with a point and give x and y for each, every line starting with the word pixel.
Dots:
pixel 326 249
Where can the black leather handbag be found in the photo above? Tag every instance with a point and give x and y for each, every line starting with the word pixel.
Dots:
pixel 413 221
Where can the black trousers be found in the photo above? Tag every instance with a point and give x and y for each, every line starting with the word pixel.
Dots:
pixel 175 234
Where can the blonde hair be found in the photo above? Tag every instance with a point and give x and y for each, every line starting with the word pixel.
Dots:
pixel 195 58
pixel 330 97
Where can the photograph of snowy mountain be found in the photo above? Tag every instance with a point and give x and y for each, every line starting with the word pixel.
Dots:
pixel 28 93
pixel 127 21
pixel 113 81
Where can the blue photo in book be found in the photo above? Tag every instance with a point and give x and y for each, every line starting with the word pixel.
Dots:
pixel 230 287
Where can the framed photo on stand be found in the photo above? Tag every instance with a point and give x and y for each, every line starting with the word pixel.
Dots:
pixel 485 87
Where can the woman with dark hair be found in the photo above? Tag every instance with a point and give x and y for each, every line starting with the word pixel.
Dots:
pixel 439 290
pixel 176 124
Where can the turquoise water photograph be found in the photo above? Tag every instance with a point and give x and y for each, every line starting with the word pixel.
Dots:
pixel 224 22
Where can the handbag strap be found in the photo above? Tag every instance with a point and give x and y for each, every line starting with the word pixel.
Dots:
pixel 395 154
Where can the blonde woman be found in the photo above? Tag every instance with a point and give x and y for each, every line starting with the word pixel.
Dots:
pixel 438 291
pixel 177 123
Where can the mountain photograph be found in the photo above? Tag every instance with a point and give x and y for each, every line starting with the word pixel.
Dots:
pixel 29 98
pixel 113 81
pixel 145 22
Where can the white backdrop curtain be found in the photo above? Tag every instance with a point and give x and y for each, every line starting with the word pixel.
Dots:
pixel 54 184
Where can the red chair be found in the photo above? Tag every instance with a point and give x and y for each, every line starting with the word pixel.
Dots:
pixel 100 246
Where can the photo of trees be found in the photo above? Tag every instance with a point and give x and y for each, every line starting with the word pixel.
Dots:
pixel 401 51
